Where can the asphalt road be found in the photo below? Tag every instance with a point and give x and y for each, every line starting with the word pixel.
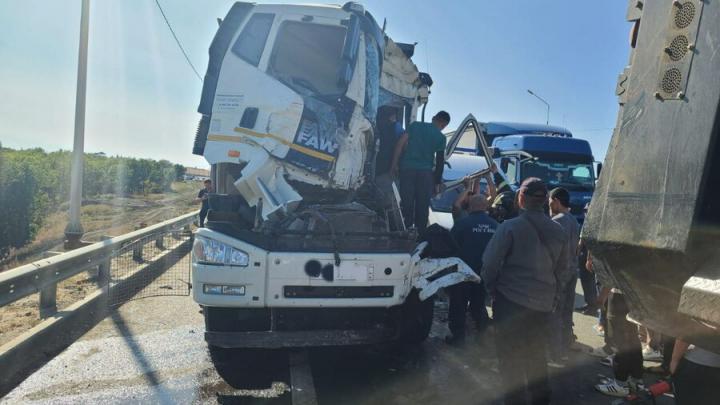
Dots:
pixel 152 351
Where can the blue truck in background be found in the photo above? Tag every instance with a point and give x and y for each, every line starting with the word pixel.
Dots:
pixel 549 152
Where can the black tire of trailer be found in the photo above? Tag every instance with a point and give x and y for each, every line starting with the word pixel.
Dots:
pixel 416 319
pixel 249 368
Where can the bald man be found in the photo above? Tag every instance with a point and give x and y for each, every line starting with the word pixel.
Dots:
pixel 472 233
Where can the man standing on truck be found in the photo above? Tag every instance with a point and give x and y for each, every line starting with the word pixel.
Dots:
pixel 472 234
pixel 520 268
pixel 202 197
pixel 413 161
pixel 389 131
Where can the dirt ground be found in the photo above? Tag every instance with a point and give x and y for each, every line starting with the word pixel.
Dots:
pixel 102 216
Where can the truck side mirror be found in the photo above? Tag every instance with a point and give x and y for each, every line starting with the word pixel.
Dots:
pixel 598 169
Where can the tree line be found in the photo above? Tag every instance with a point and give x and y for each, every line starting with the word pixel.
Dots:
pixel 35 183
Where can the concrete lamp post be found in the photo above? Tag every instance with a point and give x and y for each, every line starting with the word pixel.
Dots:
pixel 74 230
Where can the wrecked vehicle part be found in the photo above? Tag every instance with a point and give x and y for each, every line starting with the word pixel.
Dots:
pixel 653 221
pixel 301 239
pixel 431 274
pixel 317 132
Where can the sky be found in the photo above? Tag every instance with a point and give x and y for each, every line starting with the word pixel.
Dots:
pixel 142 96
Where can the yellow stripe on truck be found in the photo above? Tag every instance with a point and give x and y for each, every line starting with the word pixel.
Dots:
pixel 301 149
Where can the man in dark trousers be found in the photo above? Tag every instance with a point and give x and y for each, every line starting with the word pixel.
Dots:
pixel 622 335
pixel 696 374
pixel 471 233
pixel 562 327
pixel 520 268
pixel 202 197
pixel 587 279
pixel 420 148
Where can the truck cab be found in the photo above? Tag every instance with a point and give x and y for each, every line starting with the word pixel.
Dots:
pixel 302 246
pixel 559 161
pixel 291 98
pixel 544 151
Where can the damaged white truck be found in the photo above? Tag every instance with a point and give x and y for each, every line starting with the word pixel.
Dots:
pixel 302 247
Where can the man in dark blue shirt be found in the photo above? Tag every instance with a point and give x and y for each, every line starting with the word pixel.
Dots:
pixel 472 233
pixel 202 197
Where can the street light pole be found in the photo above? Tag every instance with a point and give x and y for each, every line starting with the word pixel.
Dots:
pixel 74 230
pixel 547 118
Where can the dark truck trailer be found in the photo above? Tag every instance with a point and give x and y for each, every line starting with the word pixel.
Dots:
pixel 654 224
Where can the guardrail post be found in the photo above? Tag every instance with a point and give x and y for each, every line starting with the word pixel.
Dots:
pixel 103 269
pixel 160 242
pixel 138 251
pixel 103 277
pixel 48 295
pixel 48 301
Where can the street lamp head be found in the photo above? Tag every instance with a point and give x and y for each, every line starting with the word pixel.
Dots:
pixel 530 91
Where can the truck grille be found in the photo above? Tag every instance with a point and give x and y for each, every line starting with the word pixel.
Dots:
pixel 289 319
pixel 338 292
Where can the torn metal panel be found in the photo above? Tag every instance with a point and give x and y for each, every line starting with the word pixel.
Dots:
pixel 348 172
pixel 430 275
pixel 372 78
pixel 399 74
pixel 263 180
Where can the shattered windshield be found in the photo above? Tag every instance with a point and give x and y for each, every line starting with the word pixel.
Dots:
pixel 307 57
pixel 563 174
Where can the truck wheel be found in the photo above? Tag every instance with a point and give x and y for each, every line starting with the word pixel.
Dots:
pixel 417 317
pixel 248 368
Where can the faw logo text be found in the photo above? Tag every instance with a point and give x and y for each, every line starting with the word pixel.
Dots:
pixel 308 136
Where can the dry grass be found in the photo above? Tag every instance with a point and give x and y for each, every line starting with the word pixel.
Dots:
pixel 105 215
pixel 108 216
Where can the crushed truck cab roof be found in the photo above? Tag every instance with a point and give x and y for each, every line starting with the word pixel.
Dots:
pixel 291 95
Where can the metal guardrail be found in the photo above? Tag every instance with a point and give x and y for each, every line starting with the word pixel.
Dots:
pixel 43 276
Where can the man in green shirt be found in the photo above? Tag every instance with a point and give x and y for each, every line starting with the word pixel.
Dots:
pixel 419 159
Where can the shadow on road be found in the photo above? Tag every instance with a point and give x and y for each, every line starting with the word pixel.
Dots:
pixel 148 370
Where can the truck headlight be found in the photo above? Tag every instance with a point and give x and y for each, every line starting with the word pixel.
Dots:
pixel 209 251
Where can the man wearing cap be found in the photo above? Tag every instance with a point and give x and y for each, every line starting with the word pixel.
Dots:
pixel 521 265
pixel 419 160
pixel 472 233
pixel 561 335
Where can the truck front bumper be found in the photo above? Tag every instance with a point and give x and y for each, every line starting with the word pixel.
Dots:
pixel 300 327
pixel 311 338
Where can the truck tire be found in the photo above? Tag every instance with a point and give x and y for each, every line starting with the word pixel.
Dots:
pixel 248 368
pixel 417 317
